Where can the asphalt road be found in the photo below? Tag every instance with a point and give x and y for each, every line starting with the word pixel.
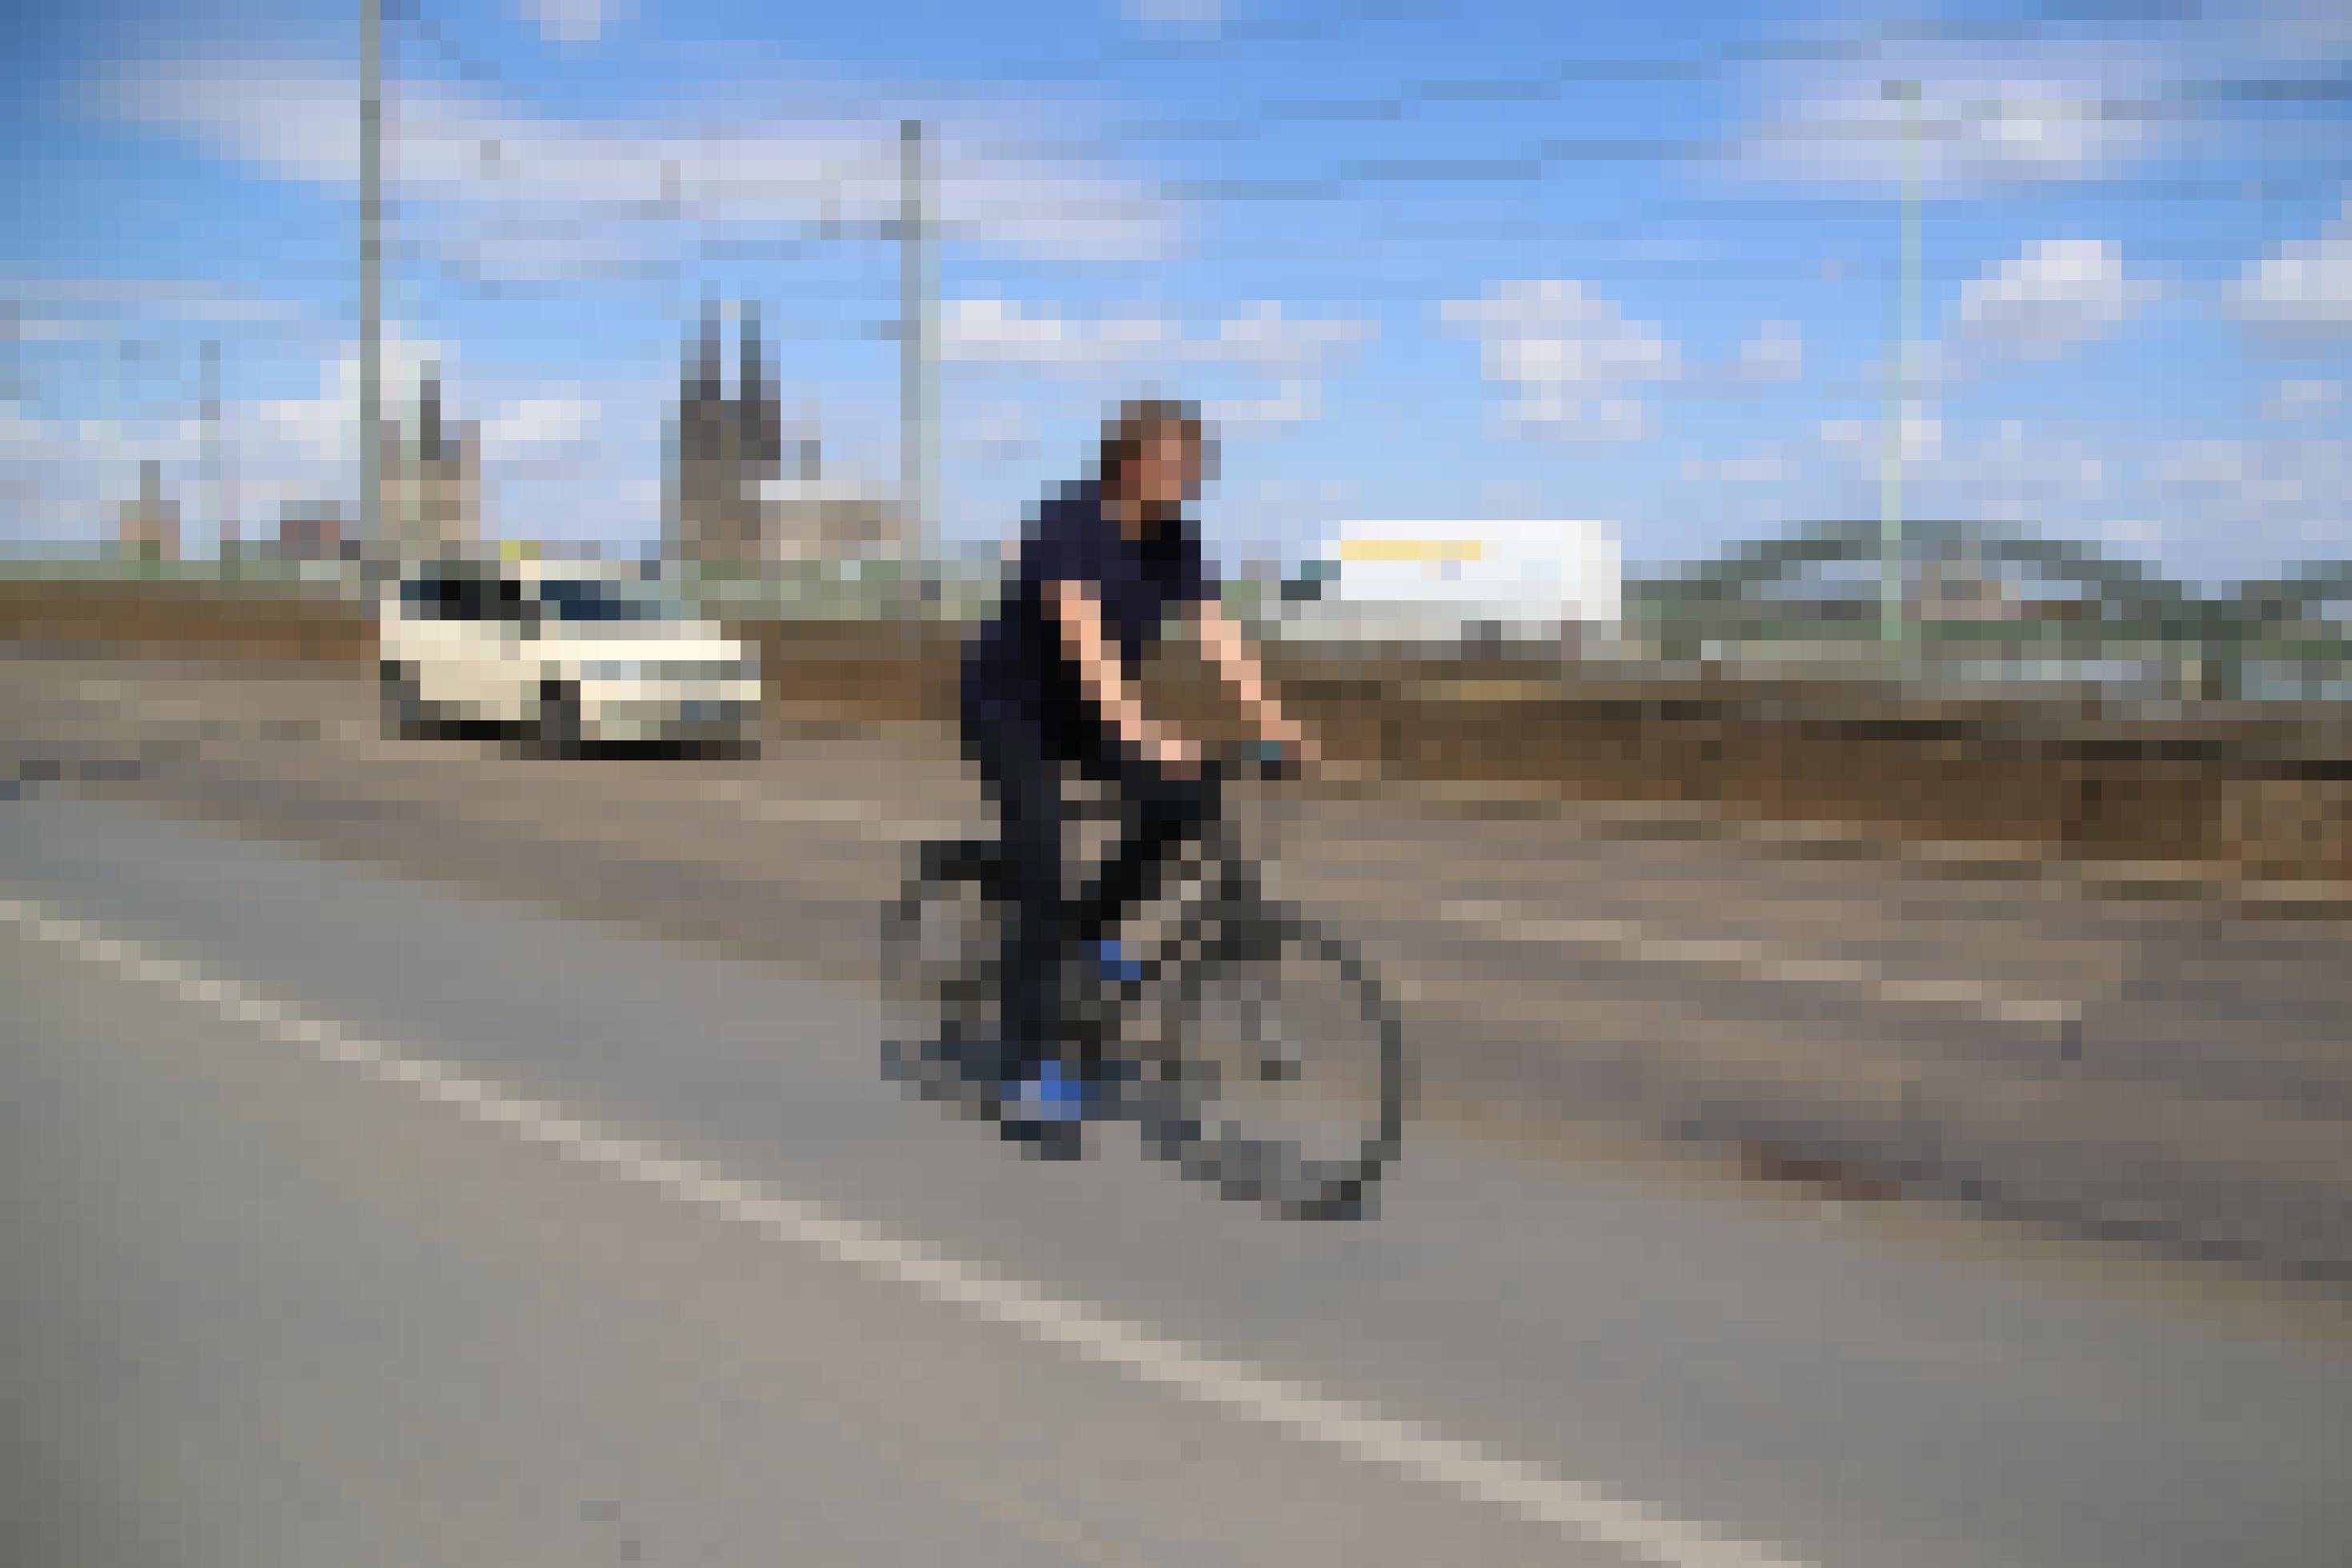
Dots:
pixel 357 1219
pixel 2158 1076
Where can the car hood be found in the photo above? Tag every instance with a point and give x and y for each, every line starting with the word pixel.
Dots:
pixel 671 645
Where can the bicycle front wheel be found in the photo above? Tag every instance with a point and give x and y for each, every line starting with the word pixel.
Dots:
pixel 1285 1078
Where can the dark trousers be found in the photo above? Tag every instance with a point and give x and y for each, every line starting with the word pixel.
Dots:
pixel 1023 774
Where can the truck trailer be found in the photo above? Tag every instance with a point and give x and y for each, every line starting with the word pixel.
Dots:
pixel 1418 582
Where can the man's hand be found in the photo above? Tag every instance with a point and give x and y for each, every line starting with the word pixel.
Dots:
pixel 1172 753
pixel 1222 639
pixel 1287 734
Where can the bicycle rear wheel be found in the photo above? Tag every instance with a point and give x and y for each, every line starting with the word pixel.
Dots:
pixel 1283 1077
pixel 941 945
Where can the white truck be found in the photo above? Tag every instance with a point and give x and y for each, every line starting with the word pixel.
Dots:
pixel 1448 582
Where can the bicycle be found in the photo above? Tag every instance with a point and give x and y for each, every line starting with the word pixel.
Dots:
pixel 1300 1105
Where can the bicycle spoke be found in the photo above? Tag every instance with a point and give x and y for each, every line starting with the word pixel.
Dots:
pixel 1260 1054
pixel 1290 1090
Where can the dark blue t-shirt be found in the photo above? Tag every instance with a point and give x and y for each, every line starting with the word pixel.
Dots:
pixel 1018 671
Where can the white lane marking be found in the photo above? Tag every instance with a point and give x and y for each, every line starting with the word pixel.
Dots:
pixel 1757 960
pixel 876 819
pixel 1518 925
pixel 1641 942
pixel 1471 1470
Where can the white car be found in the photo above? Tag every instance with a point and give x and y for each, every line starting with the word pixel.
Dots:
pixel 575 653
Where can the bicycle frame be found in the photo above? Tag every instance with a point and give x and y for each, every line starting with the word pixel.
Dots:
pixel 1216 915
pixel 1221 903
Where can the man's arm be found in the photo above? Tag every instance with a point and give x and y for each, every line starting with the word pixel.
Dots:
pixel 1221 640
pixel 1079 620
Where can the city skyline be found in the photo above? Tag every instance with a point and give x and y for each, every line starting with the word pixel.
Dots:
pixel 1426 262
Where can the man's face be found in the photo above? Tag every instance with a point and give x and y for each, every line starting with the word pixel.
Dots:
pixel 1167 473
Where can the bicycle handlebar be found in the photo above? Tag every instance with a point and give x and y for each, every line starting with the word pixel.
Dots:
pixel 1257 760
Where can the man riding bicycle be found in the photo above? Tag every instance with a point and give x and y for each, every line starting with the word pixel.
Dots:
pixel 1050 682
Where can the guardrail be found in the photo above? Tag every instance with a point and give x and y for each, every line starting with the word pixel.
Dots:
pixel 2256 790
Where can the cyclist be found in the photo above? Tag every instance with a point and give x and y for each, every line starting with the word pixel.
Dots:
pixel 1049 683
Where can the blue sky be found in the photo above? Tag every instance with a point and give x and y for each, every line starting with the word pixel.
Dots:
pixel 1421 259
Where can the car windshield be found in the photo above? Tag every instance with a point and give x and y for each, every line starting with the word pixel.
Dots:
pixel 598 599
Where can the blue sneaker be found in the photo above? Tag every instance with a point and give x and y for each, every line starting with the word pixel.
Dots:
pixel 1116 967
pixel 1049 1095
pixel 1044 1113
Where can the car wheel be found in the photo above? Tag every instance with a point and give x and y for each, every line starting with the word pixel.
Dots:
pixel 739 742
pixel 403 708
pixel 560 730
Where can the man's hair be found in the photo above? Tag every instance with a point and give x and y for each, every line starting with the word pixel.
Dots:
pixel 1140 418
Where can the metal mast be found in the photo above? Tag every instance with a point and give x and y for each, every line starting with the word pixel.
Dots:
pixel 919 356
pixel 371 270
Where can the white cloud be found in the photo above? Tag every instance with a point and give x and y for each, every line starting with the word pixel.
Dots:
pixel 1002 432
pixel 318 433
pixel 2303 285
pixel 1006 333
pixel 1174 13
pixel 1777 353
pixel 2071 98
pixel 2214 507
pixel 2054 297
pixel 1568 355
pixel 2056 294
pixel 1865 440
pixel 540 248
pixel 558 420
pixel 1268 340
pixel 2263 473
pixel 2266 502
pixel 2307 31
pixel 1774 355
pixel 488 162
pixel 1984 119
pixel 571 21
pixel 1298 403
pixel 318 436
pixel 55 310
pixel 2026 475
pixel 22 329
pixel 1276 514
pixel 1922 436
pixel 21 438
pixel 2141 536
pixel 1768 466
pixel 1262 340
pixel 2092 92
pixel 551 447
pixel 2301 399
pixel 642 498
pixel 1508 499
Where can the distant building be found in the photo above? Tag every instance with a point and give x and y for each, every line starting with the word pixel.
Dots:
pixel 314 531
pixel 817 520
pixel 724 450
pixel 430 486
pixel 149 527
pixel 728 497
